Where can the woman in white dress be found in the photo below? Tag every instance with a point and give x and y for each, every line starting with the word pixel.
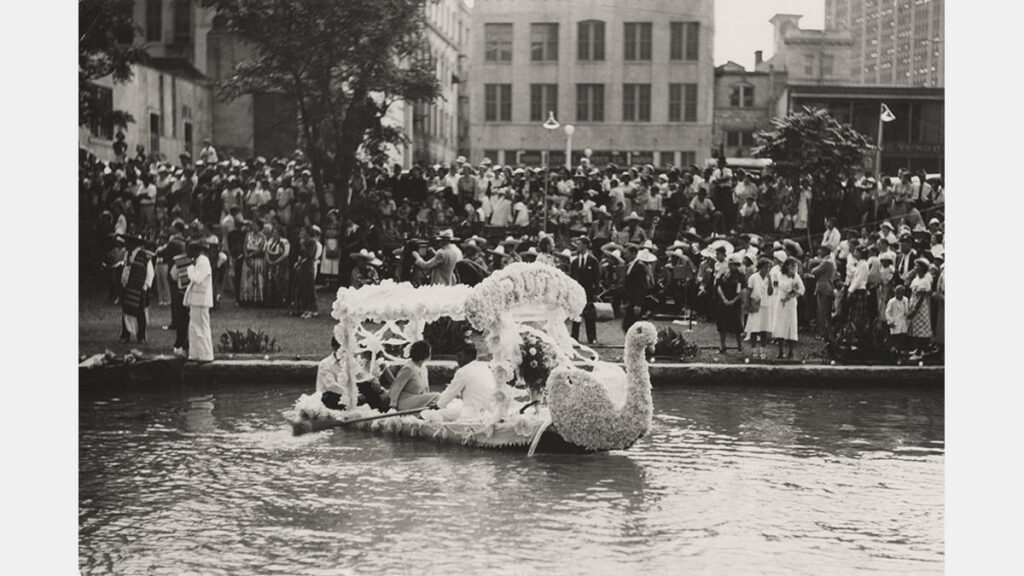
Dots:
pixel 791 287
pixel 759 310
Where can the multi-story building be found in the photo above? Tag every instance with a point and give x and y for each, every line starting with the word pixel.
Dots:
pixel 914 140
pixel 895 41
pixel 435 125
pixel 170 98
pixel 745 102
pixel 809 56
pixel 635 79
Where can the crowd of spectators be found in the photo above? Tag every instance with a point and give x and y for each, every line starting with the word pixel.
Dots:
pixel 279 231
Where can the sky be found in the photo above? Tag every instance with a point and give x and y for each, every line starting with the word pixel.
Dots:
pixel 741 26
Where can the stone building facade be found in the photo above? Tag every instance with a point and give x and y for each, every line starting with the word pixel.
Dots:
pixel 635 80
pixel 895 41
pixel 808 56
pixel 745 102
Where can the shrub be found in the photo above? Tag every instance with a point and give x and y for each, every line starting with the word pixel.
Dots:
pixel 446 335
pixel 673 344
pixel 869 343
pixel 247 342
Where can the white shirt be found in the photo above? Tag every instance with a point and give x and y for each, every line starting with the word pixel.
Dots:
pixel 896 315
pixel 859 278
pixel 831 239
pixel 328 378
pixel 475 383
pixel 522 214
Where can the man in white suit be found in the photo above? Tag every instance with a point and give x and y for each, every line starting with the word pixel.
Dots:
pixel 199 299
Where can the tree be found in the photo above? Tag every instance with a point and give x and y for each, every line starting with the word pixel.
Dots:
pixel 343 63
pixel 812 144
pixel 106 47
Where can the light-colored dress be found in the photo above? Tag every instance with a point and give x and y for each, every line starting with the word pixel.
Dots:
pixel 411 389
pixel 785 324
pixel 760 321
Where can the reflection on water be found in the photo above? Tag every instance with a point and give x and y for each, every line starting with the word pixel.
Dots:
pixel 730 481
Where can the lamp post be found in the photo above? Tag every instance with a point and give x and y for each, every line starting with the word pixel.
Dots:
pixel 569 131
pixel 550 125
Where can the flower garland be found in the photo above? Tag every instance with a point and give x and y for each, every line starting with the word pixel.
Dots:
pixel 391 301
pixel 523 284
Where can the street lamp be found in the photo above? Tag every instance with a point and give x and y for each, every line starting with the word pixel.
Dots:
pixel 569 131
pixel 550 125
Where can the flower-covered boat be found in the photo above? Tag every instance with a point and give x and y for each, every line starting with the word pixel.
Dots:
pixel 577 403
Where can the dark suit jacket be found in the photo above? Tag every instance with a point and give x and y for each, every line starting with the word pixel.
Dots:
pixel 824 275
pixel 589 275
pixel 638 282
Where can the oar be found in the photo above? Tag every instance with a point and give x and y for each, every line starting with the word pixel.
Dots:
pixel 304 426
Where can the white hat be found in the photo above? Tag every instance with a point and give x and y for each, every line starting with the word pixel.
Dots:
pixel 565 253
pixel 887 255
pixel 518 171
pixel 646 256
pixel 939 251
pixel 677 253
pixel 736 258
pixel 752 253
pixel 780 255
pixel 499 251
pixel 934 221
pixel 632 216
pixel 446 235
pixel 617 254
pixel 461 160
pixel 648 245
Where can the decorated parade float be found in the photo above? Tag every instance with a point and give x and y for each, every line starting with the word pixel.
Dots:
pixel 551 395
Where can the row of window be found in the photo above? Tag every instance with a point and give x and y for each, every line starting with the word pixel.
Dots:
pixel 590 102
pixel 182 21
pixel 684 41
pixel 598 157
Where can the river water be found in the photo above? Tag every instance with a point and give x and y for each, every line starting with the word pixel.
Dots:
pixel 730 481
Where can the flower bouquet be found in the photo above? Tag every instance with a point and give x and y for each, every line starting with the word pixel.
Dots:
pixel 538 358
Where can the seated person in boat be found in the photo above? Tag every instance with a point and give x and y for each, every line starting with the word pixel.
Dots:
pixel 411 389
pixel 333 392
pixel 473 382
pixel 371 392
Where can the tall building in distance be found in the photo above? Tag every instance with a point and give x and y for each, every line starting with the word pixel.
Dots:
pixel 635 79
pixel 898 42
pixel 435 126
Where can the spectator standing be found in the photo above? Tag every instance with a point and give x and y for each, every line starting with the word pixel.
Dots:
pixel 784 326
pixel 759 312
pixel 729 308
pixel 252 288
pixel 278 269
pixel 824 272
pixel 199 299
pixel 305 274
pixel 919 316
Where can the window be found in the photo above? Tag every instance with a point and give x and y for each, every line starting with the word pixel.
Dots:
pixel 182 21
pixel 687 158
pixel 491 155
pixel 188 138
pixel 742 96
pixel 590 41
pixel 808 64
pixel 737 138
pixel 543 42
pixel 684 42
pixel 638 41
pixel 590 102
pixel 543 99
pixel 497 102
pixel 154 133
pixel 154 21
pixel 682 102
pixel 102 125
pixel 828 62
pixel 498 42
pixel 636 102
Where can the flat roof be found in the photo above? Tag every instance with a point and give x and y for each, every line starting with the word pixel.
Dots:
pixel 865 91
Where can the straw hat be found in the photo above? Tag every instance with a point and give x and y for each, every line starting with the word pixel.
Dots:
pixel 446 236
pixel 737 258
pixel 615 255
pixel 632 218
pixel 717 245
pixel 567 254
pixel 510 241
pixel 367 255
pixel 780 255
pixel 645 255
pixel 678 253
pixel 499 251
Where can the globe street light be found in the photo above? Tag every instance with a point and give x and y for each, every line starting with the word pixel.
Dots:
pixel 550 125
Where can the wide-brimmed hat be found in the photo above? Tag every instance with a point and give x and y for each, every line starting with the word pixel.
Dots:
pixel 644 255
pixel 446 236
pixel 737 258
pixel 363 254
pixel 648 245
pixel 678 253
pixel 567 254
pixel 792 245
pixel 752 253
pixel 499 251
pixel 615 255
pixel 601 212
pixel 780 255
pixel 717 245
pixel 632 218
pixel 510 241
pixel 470 245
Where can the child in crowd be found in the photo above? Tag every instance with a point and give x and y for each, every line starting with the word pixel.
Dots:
pixel 896 317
